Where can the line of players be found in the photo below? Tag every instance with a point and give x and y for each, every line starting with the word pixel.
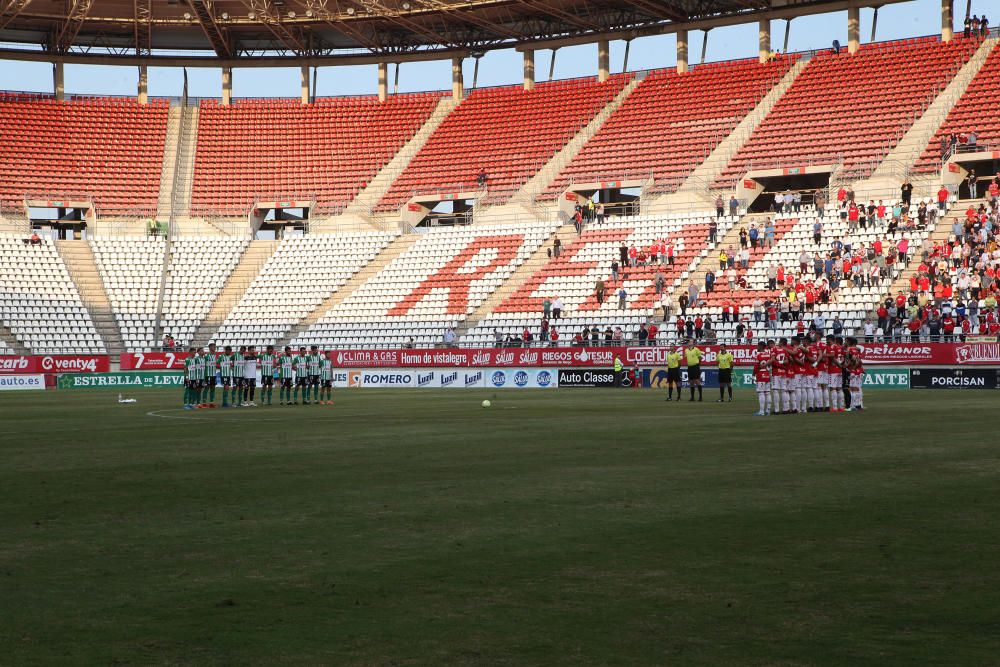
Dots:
pixel 809 375
pixel 311 372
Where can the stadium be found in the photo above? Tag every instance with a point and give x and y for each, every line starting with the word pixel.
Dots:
pixel 686 362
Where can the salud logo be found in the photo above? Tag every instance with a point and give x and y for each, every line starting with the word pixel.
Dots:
pixel 544 379
pixel 521 379
pixel 499 379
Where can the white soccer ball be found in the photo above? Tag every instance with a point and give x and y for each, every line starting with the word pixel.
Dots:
pixel 486 404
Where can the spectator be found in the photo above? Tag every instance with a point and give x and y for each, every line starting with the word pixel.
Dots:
pixel 906 192
pixel 970 180
pixel 744 237
pixel 754 235
pixel 599 291
pixel 600 213
pixel 557 308
pixel 817 232
pixel 682 302
pixel 449 337
pixel 723 259
pixel 779 202
pixel 731 278
pixel 556 248
pixel 769 233
pixel 623 254
pixel 660 282
pixel 713 231
pixel 758 310
pixel 734 206
pixel 622 298
pixel 719 206
pixel 614 272
pixel 797 202
pixel 546 308
pixel 942 198
pixel 481 178
pixel 709 282
pixel 819 200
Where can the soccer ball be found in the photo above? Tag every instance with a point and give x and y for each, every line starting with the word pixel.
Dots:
pixel 486 404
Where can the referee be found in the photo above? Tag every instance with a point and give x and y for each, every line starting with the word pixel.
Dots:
pixel 725 361
pixel 674 373
pixel 693 357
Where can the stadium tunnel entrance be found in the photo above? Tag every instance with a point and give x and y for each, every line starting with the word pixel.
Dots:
pixel 440 209
pixel 756 190
pixel 619 197
pixel 279 217
pixel 956 172
pixel 60 219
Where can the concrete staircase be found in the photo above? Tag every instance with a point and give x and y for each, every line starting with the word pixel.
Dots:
pixel 525 198
pixel 696 190
pixel 885 180
pixel 177 174
pixel 79 260
pixel 362 205
pixel 538 259
pixel 11 341
pixel 398 246
pixel 249 267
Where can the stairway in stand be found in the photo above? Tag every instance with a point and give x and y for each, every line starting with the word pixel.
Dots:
pixel 11 341
pixel 939 234
pixel 250 264
pixel 79 260
pixel 398 246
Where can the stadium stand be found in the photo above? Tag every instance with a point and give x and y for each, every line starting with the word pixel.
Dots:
pixel 671 122
pixel 434 285
pixel 850 301
pixel 970 113
pixel 825 117
pixel 39 302
pixel 328 150
pixel 509 132
pixel 199 267
pixel 105 150
pixel 132 270
pixel 294 281
pixel 572 277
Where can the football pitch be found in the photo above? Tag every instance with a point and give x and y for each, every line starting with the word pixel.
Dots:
pixel 558 527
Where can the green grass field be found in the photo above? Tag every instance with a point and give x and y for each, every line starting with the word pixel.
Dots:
pixel 571 527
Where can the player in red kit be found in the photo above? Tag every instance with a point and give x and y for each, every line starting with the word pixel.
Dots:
pixel 781 398
pixel 823 381
pixel 813 357
pixel 855 376
pixel 762 376
pixel 797 354
pixel 838 375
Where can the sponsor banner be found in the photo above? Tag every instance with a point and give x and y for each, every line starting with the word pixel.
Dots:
pixel 54 363
pixel 22 382
pixel 127 380
pixel 544 357
pixel 153 361
pixel 932 354
pixel 586 377
pixel 954 378
pixel 521 378
pixel 656 378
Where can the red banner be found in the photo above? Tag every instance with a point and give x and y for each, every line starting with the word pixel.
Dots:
pixel 152 361
pixel 55 363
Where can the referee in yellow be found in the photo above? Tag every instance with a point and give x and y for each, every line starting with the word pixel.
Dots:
pixel 693 357
pixel 725 361
pixel 674 373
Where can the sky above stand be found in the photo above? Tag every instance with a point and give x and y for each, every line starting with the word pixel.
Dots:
pixel 900 21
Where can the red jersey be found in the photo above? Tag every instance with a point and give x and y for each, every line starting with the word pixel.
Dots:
pixel 822 365
pixel 835 354
pixel 812 368
pixel 798 356
pixel 779 362
pixel 762 369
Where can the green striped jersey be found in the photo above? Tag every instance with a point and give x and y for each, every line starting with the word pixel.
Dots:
pixel 267 365
pixel 313 361
pixel 189 369
pixel 302 365
pixel 226 365
pixel 287 362
pixel 238 365
pixel 326 369
pixel 199 368
pixel 210 366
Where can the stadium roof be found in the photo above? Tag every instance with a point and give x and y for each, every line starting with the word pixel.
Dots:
pixel 287 32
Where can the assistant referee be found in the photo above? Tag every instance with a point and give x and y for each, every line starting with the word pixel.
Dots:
pixel 693 357
pixel 725 361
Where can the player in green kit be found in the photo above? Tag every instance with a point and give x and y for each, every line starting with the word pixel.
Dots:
pixel 286 372
pixel 267 366
pixel 227 366
pixel 313 363
pixel 189 379
pixel 211 368
pixel 238 380
pixel 199 378
pixel 302 376
pixel 326 375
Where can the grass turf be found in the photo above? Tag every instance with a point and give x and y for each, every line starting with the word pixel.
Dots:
pixel 568 527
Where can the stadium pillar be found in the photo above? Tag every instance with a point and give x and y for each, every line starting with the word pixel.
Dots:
pixel 947 20
pixel 383 81
pixel 457 80
pixel 227 85
pixel 58 82
pixel 853 29
pixel 529 69
pixel 682 51
pixel 143 85
pixel 764 39
pixel 603 60
pixel 305 84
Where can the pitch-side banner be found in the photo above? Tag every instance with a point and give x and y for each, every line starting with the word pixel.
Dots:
pixel 153 361
pixel 54 363
pixel 544 357
pixel 22 382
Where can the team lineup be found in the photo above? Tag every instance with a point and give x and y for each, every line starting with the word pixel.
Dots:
pixel 309 372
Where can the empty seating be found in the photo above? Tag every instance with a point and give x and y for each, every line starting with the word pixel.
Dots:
pixel 573 276
pixel 303 272
pixel 132 271
pixel 974 111
pixel 851 109
pixel 199 268
pixel 281 149
pixel 671 122
pixel 39 302
pixel 435 284
pixel 509 132
pixel 106 150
